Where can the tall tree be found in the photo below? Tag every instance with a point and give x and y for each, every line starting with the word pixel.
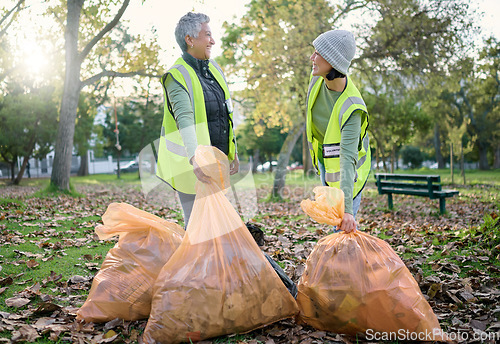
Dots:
pixel 396 122
pixel 271 46
pixel 441 33
pixel 86 111
pixel 91 31
pixel 270 49
pixel 473 91
pixel 138 123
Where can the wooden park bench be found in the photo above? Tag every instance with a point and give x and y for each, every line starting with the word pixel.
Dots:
pixel 413 184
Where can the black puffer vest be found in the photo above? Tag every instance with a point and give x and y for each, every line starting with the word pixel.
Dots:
pixel 215 105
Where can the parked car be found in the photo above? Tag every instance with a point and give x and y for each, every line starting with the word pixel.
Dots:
pixel 131 166
pixel 295 166
pixel 266 166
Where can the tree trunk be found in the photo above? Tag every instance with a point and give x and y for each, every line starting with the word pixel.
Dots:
pixel 12 169
pixel 496 159
pixel 256 160
pixel 72 85
pixel 84 164
pixel 306 156
pixel 393 157
pixel 437 147
pixel 483 156
pixel 451 162
pixel 29 149
pixel 284 158
pixel 462 162
pixel 20 174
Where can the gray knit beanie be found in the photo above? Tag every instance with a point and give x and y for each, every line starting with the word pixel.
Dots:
pixel 337 47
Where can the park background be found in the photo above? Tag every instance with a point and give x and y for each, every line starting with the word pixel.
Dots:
pixel 429 73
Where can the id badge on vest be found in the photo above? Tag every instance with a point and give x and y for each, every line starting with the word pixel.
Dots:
pixel 331 150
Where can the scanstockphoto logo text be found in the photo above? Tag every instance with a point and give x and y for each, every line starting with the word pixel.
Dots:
pixel 435 334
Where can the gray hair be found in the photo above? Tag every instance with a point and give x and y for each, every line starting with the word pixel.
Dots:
pixel 189 24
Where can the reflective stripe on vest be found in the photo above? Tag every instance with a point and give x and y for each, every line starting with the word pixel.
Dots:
pixel 311 85
pixel 347 104
pixel 185 74
pixel 335 177
pixel 172 146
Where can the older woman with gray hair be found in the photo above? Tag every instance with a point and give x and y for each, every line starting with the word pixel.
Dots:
pixel 198 111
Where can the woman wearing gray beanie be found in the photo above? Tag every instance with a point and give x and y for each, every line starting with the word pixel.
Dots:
pixel 337 121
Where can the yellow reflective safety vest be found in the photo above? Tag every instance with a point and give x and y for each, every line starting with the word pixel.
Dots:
pixel 173 165
pixel 349 101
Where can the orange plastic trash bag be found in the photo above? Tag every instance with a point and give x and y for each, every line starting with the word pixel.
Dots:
pixel 328 206
pixel 218 281
pixel 356 284
pixel 123 286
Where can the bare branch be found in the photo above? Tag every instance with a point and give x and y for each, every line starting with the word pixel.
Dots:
pixel 112 74
pixel 104 31
pixel 5 73
pixel 350 6
pixel 14 10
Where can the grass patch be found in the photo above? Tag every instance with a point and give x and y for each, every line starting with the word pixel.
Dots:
pixel 473 250
pixel 472 177
pixel 52 191
pixel 131 177
pixel 36 249
pixel 12 203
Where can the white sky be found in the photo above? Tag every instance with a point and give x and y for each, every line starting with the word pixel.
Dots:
pixel 164 16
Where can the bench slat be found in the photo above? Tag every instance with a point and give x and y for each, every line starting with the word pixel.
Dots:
pixel 413 184
pixel 405 192
pixel 446 193
pixel 414 177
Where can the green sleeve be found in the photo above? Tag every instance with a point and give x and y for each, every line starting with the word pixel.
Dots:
pixel 349 141
pixel 183 114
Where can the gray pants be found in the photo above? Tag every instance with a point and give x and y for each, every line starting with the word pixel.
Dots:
pixel 187 202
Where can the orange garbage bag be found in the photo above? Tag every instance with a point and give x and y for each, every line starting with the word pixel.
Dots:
pixel 356 284
pixel 123 286
pixel 218 281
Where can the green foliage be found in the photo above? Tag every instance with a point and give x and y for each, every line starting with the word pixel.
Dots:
pixel 87 109
pixel 270 49
pixel 62 259
pixel 268 144
pixel 412 156
pixel 411 68
pixel 489 233
pixel 475 99
pixel 28 121
pixel 393 121
pixel 440 31
pixel 139 124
